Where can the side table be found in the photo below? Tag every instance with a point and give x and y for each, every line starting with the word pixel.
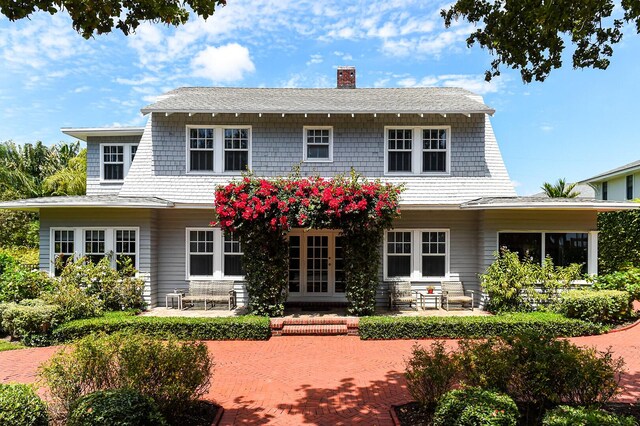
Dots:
pixel 425 297
pixel 172 296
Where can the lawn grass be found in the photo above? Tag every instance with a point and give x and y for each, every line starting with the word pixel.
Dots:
pixel 9 346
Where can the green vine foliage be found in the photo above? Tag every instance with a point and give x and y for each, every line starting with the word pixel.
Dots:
pixel 618 241
pixel 261 212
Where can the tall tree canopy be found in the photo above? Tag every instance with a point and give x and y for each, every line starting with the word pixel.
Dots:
pixel 102 16
pixel 560 189
pixel 530 35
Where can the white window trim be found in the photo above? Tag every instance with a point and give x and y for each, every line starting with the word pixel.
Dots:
pixel 79 240
pixel 304 144
pixel 416 255
pixel 218 149
pixel 416 151
pixel 223 253
pixel 218 256
pixel 592 244
pixel 126 152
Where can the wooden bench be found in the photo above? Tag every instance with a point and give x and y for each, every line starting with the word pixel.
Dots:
pixel 401 293
pixel 211 292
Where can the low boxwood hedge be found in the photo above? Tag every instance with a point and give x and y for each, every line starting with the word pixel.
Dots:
pixel 228 328
pixel 602 306
pixel 381 327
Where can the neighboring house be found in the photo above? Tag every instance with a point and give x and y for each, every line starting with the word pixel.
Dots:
pixel 150 190
pixel 621 183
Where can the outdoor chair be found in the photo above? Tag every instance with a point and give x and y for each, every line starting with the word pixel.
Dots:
pixel 211 292
pixel 453 292
pixel 401 293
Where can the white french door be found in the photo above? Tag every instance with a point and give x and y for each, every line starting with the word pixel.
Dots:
pixel 315 265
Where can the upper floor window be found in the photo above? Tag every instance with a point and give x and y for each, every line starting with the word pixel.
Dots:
pixel 115 160
pixel 318 143
pixel 218 149
pixel 417 149
pixel 630 187
pixel 605 190
pixel 416 254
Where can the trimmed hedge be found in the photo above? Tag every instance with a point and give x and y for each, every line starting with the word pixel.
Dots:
pixel 600 306
pixel 570 416
pixel 230 328
pixel 115 407
pixel 381 327
pixel 475 406
pixel 21 406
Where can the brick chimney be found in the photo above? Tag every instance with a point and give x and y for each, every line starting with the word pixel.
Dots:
pixel 346 77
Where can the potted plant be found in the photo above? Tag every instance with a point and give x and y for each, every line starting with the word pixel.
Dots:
pixel 430 289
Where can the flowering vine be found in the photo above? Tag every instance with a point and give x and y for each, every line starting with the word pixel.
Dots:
pixel 262 211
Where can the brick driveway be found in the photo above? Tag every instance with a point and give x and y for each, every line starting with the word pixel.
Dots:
pixel 317 380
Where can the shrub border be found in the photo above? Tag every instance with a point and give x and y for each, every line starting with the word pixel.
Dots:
pixel 226 328
pixel 387 328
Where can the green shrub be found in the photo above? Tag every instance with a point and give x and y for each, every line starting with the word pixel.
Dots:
pixel 541 371
pixel 74 302
pixel 22 255
pixel 17 282
pixel 30 320
pixel 430 373
pixel 572 416
pixel 627 280
pixel 618 240
pixel 172 374
pixel 604 306
pixel 382 327
pixel 118 407
pixel 231 328
pixel 21 406
pixel 515 285
pixel 475 407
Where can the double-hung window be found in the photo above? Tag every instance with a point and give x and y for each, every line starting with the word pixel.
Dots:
pixel 125 249
pixel 232 254
pixel 213 254
pixel 417 254
pixel 218 149
pixel 95 245
pixel 201 253
pixel 63 248
pixel 115 160
pixel 318 143
pixel 417 150
pixel 605 190
pixel 630 187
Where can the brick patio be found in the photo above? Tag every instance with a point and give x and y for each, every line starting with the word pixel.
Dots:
pixel 330 380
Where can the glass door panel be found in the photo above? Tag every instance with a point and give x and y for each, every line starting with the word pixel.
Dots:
pixel 317 264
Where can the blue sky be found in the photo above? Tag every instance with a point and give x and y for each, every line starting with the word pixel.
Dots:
pixel 574 125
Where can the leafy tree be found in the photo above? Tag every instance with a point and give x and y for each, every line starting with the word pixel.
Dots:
pixel 560 189
pixel 530 35
pixel 72 180
pixel 100 17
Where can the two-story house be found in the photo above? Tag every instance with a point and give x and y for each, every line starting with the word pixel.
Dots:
pixel 621 183
pixel 150 190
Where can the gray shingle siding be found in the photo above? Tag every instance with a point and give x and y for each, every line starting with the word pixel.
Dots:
pixel 94 186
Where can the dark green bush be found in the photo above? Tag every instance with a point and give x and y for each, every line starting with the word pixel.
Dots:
pixel 475 407
pixel 572 416
pixel 30 320
pixel 232 328
pixel 430 373
pixel 618 240
pixel 627 280
pixel 604 306
pixel 117 407
pixel 17 282
pixel 21 406
pixel 383 327
pixel 172 374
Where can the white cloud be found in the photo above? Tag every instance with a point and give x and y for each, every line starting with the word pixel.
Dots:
pixel 224 64
pixel 546 128
pixel 473 83
pixel 137 82
pixel 315 59
pixel 81 89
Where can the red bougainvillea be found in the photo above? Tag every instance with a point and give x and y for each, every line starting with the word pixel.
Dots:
pixel 314 202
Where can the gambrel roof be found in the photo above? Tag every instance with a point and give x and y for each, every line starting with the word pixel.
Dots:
pixel 422 100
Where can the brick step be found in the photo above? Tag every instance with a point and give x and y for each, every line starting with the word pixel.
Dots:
pixel 315 330
pixel 316 321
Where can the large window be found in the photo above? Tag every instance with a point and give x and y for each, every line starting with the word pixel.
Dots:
pixel 232 254
pixel 564 248
pixel 63 248
pixel 630 187
pixel 94 245
pixel 115 160
pixel 201 253
pixel 417 150
pixel 318 143
pixel 218 149
pixel 125 249
pixel 418 254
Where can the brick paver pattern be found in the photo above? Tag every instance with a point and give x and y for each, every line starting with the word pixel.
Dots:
pixel 327 380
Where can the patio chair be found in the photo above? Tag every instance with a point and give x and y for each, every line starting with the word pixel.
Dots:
pixel 453 292
pixel 401 293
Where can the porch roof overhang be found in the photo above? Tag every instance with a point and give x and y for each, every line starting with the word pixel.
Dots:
pixel 545 203
pixel 87 201
pixel 83 133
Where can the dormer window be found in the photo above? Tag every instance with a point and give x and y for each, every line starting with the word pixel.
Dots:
pixel 115 160
pixel 218 149
pixel 318 143
pixel 417 150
